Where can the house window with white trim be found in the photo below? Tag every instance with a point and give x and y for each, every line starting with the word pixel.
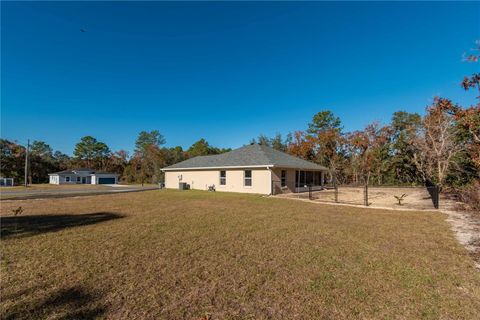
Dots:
pixel 223 177
pixel 284 178
pixel 247 178
pixel 67 179
pixel 78 179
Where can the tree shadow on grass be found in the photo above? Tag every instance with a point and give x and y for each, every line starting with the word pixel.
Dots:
pixel 25 226
pixel 72 303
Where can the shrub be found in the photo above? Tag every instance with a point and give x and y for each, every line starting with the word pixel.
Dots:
pixel 470 195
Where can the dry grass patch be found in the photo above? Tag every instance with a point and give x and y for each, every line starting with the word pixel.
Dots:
pixel 174 255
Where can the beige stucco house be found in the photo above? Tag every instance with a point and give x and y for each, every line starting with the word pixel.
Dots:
pixel 251 169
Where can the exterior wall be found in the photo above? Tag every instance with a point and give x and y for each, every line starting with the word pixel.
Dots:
pixel 63 179
pixel 54 179
pixel 75 178
pixel 79 178
pixel 201 179
pixel 277 178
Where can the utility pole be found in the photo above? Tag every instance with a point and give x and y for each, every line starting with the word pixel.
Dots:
pixel 26 163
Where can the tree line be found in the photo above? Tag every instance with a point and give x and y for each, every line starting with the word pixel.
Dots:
pixel 143 166
pixel 441 147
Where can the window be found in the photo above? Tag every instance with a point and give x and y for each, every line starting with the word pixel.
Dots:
pixel 247 178
pixel 67 179
pixel 78 179
pixel 284 178
pixel 223 177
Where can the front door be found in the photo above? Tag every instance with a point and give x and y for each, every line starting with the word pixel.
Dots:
pixel 84 180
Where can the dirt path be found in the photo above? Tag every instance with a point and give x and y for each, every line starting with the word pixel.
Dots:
pixel 466 227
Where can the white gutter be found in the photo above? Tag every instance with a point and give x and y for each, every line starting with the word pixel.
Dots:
pixel 268 166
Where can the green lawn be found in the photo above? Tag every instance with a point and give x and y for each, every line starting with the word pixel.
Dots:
pixel 179 255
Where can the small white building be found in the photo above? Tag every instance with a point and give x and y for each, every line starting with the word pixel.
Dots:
pixel 83 176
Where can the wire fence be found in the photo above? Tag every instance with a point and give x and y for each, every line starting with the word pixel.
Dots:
pixel 377 196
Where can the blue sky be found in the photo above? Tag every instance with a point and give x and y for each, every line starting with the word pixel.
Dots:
pixel 223 71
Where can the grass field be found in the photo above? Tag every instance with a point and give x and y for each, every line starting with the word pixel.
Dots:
pixel 179 255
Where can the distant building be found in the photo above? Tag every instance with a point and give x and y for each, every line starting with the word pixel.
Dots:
pixel 6 182
pixel 83 176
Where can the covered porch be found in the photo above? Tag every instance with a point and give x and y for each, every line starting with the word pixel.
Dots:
pixel 292 180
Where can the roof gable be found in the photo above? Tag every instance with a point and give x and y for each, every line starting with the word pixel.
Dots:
pixel 253 155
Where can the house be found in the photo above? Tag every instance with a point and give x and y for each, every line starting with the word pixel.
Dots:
pixel 251 169
pixel 83 176
pixel 6 182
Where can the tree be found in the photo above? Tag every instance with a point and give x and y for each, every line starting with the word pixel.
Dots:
pixel 405 128
pixel 368 150
pixel 173 155
pixel 473 81
pixel 469 119
pixel 202 148
pixel 117 162
pixel 91 153
pixel 199 148
pixel 277 142
pixel 41 162
pixel 436 146
pixel 146 157
pixel 146 139
pixel 62 161
pixel 323 121
pixel 42 149
pixel 325 133
pixel 12 162
pixel 262 140
pixel 302 146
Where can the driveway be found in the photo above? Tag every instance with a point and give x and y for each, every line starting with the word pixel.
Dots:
pixel 47 191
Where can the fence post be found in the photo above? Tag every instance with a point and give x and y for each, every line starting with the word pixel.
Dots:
pixel 436 196
pixel 434 192
pixel 336 188
pixel 366 195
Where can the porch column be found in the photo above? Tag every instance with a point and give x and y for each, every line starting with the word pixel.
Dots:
pixel 297 176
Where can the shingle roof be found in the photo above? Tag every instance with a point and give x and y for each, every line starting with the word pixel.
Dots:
pixel 247 156
pixel 64 172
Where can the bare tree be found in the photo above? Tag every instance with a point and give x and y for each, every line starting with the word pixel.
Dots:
pixel 436 146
